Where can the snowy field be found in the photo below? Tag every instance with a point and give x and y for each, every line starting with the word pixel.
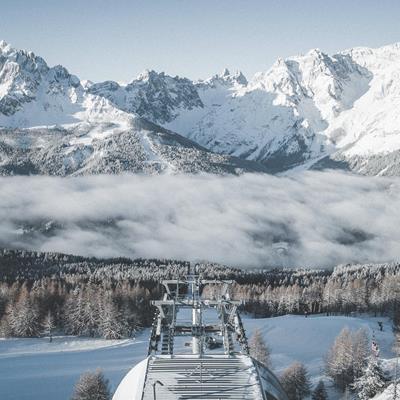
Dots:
pixel 36 369
pixel 296 338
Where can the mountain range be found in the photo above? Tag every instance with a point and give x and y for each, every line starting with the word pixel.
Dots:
pixel 312 111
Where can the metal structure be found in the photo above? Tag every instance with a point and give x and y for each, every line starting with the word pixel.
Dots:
pixel 185 294
pixel 198 350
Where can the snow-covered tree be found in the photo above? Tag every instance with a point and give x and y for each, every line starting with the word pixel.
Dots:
pixel 82 312
pixel 372 381
pixel 24 318
pixel 91 310
pixel 319 393
pixel 347 394
pixel 339 362
pixel 347 357
pixel 75 314
pixel 5 326
pixel 296 382
pixel 92 386
pixel 259 349
pixel 49 325
pixel 396 344
pixel 361 350
pixel 112 322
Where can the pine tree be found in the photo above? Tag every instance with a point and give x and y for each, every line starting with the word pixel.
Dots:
pixel 339 363
pixel 91 311
pixel 24 318
pixel 371 382
pixel 295 381
pixel 132 318
pixel 259 349
pixel 319 392
pixel 5 326
pixel 49 325
pixel 347 394
pixel 112 322
pixel 396 345
pixel 360 351
pixel 75 314
pixel 92 386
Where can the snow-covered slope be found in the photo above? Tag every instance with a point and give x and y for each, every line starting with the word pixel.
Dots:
pixel 290 338
pixel 53 124
pixel 308 107
pixel 305 108
pixel 106 147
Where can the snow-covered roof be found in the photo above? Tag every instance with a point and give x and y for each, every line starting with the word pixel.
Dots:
pixel 131 387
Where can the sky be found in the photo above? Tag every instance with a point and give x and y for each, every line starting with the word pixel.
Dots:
pixel 100 40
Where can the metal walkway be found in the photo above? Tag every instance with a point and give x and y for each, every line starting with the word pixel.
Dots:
pixel 190 377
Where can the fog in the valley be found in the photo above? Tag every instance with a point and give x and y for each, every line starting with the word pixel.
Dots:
pixel 309 219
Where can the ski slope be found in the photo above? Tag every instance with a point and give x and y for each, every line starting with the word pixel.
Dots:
pixel 307 340
pixel 37 369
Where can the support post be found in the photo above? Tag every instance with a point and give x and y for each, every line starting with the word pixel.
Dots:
pixel 154 388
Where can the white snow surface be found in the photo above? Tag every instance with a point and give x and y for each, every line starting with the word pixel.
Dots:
pixel 296 338
pixel 388 393
pixel 34 368
pixel 15 347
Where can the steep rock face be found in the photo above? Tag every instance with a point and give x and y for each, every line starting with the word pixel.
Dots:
pixel 33 94
pixel 20 76
pixel 153 96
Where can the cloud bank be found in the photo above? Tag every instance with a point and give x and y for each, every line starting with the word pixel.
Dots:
pixel 313 219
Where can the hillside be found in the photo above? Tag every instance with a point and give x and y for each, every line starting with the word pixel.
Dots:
pixel 290 338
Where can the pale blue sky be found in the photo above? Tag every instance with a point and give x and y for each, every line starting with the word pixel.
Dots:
pixel 99 40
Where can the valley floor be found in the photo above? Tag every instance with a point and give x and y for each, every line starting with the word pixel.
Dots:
pixel 37 369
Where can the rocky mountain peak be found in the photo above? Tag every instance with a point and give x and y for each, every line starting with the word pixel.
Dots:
pixel 226 78
pixel 303 108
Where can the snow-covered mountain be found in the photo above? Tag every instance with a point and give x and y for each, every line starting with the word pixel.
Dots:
pixel 309 111
pixel 333 111
pixel 340 109
pixel 33 94
pixel 53 124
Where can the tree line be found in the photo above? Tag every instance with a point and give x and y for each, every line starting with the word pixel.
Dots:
pixel 84 309
pixel 42 293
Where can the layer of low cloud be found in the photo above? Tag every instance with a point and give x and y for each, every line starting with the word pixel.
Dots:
pixel 316 219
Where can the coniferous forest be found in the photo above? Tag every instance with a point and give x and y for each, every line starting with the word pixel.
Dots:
pixel 46 293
